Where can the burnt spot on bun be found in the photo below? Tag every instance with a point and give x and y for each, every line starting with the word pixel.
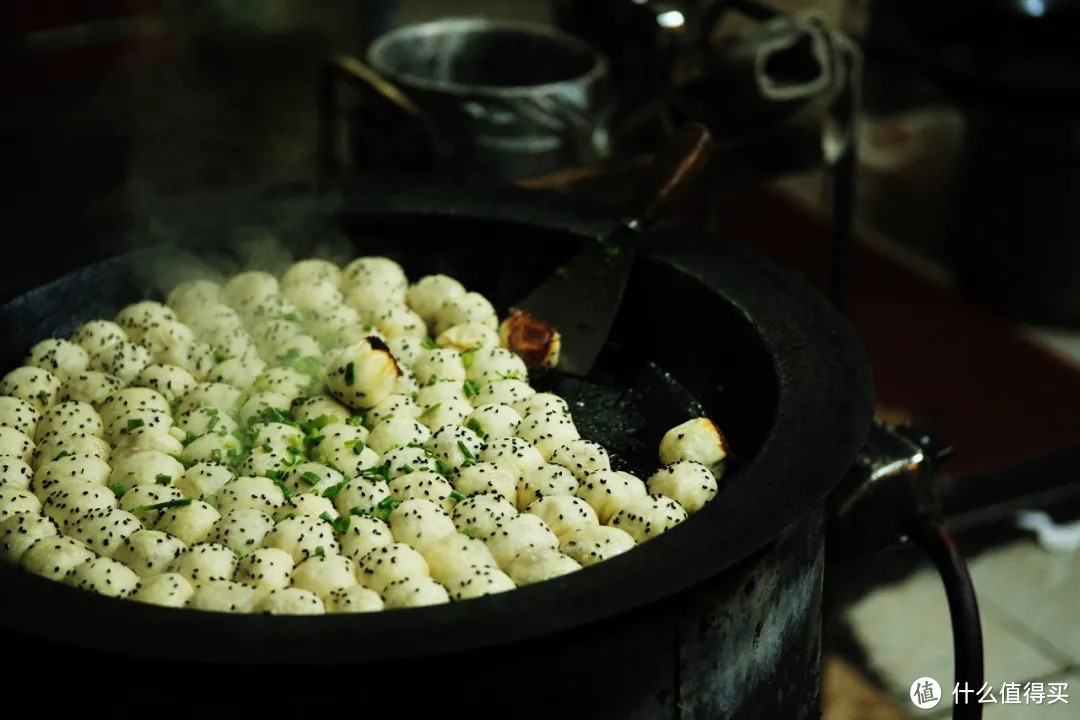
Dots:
pixel 535 341
pixel 378 345
pixel 724 444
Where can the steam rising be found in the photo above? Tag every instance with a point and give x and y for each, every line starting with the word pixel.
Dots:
pixel 172 261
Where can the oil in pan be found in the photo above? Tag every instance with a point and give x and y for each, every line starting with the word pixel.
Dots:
pixel 626 405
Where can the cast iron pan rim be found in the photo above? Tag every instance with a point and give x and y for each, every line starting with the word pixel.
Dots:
pixel 801 461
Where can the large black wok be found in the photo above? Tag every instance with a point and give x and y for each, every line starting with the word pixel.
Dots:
pixel 718 618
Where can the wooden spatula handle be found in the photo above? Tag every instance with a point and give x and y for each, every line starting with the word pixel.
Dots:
pixel 672 172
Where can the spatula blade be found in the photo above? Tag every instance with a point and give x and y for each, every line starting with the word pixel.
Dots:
pixel 585 296
pixel 582 300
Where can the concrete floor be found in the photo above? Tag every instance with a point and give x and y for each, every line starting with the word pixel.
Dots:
pixel 1028 601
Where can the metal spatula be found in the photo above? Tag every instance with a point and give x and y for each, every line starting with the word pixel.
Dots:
pixel 582 299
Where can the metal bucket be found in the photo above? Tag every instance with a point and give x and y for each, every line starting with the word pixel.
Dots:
pixel 490 99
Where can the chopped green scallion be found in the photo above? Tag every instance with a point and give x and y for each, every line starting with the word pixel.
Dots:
pixel 385 507
pixel 477 428
pixel 320 422
pixel 163 505
pixel 379 472
pixel 286 492
pixel 310 366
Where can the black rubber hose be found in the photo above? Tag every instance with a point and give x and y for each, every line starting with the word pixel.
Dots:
pixel 963 610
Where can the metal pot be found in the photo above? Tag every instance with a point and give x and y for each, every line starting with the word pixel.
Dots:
pixel 471 97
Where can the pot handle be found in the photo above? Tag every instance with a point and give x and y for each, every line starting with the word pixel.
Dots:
pixel 672 173
pixel 407 143
pixel 892 493
pixel 784 58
